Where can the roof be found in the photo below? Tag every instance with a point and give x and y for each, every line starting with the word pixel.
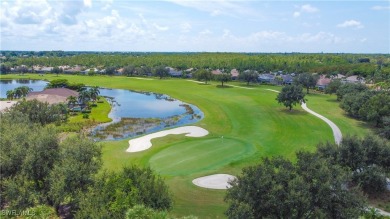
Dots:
pixel 266 76
pixel 216 72
pixel 64 92
pixel 234 73
pixel 52 95
pixel 323 81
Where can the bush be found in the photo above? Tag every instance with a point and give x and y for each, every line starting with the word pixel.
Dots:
pixel 85 116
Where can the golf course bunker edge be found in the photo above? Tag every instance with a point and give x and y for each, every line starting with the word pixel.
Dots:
pixel 216 181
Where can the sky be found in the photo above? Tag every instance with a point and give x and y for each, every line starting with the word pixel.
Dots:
pixel 196 26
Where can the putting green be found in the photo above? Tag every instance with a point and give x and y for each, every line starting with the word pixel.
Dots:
pixel 199 155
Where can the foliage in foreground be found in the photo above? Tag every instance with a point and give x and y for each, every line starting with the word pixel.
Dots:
pixel 39 170
pixel 277 188
pixel 368 160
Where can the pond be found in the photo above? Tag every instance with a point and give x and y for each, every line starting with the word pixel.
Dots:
pixel 6 85
pixel 136 113
pixel 133 113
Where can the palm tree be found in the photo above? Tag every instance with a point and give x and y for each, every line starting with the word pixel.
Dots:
pixel 10 94
pixel 84 97
pixel 22 91
pixel 94 93
pixel 72 100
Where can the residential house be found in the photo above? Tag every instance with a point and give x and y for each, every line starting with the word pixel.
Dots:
pixel 234 73
pixel 174 73
pixel 353 79
pixel 323 82
pixel 266 78
pixel 52 95
pixel 216 72
pixel 287 79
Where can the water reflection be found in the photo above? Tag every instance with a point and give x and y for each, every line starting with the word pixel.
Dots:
pixel 136 113
pixel 5 85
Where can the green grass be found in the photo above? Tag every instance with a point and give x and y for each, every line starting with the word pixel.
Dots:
pixel 253 124
pixel 199 155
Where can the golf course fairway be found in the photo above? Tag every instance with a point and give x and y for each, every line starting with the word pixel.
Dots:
pixel 252 123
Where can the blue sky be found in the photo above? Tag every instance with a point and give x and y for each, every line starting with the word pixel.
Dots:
pixel 196 26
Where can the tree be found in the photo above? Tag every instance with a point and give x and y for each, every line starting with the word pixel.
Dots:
pixel 58 83
pixel 72 100
pixel 223 77
pixel 113 194
pixel 277 188
pixel 110 70
pixel 10 94
pixel 307 80
pixel 56 70
pixel 39 112
pixel 291 95
pixel 79 159
pixel 367 158
pixel 21 91
pixel 353 102
pixel 249 76
pixel 4 69
pixel 94 92
pixel 203 75
pixel 349 88
pixel 161 71
pixel 128 70
pixel 333 86
pixel 376 108
pixel 84 97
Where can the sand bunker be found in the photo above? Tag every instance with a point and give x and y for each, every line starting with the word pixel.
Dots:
pixel 6 104
pixel 144 142
pixel 216 181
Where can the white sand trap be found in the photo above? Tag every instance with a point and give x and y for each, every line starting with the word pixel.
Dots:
pixel 6 104
pixel 147 79
pixel 144 142
pixel 216 181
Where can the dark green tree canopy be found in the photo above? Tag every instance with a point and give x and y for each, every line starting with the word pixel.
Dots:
pixel 277 188
pixel 307 80
pixel 291 95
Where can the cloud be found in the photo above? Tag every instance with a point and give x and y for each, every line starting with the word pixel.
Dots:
pixel 160 28
pixel 351 23
pixel 185 27
pixel 304 9
pixel 88 3
pixel 220 7
pixel 380 8
pixel 309 9
pixel 205 32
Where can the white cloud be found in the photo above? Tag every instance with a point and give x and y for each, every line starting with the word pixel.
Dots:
pixel 304 9
pixel 205 32
pixel 296 14
pixel 220 7
pixel 160 28
pixel 351 23
pixel 185 27
pixel 88 3
pixel 379 8
pixel 309 9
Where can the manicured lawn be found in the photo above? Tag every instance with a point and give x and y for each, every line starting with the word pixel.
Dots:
pixel 252 123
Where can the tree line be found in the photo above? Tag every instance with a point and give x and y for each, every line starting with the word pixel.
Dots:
pixel 366 65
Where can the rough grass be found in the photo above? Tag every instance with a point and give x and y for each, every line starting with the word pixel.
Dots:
pixel 253 124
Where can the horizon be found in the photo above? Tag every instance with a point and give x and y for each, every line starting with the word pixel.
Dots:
pixel 174 26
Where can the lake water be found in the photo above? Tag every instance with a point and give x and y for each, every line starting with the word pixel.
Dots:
pixel 133 113
pixel 5 85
